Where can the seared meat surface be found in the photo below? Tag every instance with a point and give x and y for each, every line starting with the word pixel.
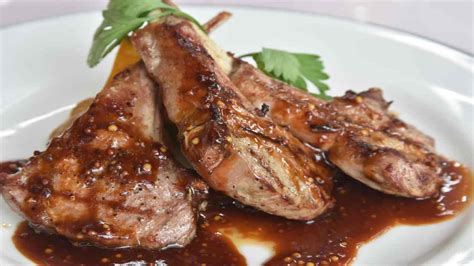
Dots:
pixel 109 180
pixel 358 132
pixel 235 149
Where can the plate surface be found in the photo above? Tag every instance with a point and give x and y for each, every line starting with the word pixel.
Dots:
pixel 43 74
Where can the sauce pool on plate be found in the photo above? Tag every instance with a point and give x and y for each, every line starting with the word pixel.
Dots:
pixel 360 214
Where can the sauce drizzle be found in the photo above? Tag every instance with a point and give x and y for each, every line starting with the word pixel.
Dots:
pixel 360 215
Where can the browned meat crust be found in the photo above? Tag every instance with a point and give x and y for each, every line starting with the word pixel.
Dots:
pixel 360 135
pixel 234 149
pixel 109 180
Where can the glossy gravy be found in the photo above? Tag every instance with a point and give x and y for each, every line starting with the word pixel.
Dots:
pixel 360 215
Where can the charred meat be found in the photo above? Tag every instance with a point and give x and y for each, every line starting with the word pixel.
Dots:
pixel 109 180
pixel 231 146
pixel 357 131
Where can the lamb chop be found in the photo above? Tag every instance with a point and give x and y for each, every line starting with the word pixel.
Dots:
pixel 109 180
pixel 358 132
pixel 231 146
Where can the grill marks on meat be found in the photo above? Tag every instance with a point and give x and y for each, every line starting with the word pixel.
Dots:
pixel 234 149
pixel 360 135
pixel 357 130
pixel 109 180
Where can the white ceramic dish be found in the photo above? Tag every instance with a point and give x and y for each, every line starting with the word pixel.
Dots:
pixel 43 73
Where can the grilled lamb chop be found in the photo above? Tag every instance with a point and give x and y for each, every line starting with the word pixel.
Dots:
pixel 357 130
pixel 359 134
pixel 234 149
pixel 109 180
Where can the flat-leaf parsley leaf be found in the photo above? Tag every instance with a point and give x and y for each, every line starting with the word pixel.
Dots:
pixel 293 68
pixel 124 16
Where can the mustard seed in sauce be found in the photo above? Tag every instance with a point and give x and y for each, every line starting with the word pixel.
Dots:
pixel 332 238
pixel 48 251
pixel 112 128
pixel 147 167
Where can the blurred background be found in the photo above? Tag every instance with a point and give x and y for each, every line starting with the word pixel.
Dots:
pixel 447 22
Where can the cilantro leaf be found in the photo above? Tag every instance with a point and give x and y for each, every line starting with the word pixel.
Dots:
pixel 293 68
pixel 124 16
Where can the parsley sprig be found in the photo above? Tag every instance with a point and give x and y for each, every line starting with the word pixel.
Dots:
pixel 293 68
pixel 124 16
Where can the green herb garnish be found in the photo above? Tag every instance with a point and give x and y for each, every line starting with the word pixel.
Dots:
pixel 124 16
pixel 293 68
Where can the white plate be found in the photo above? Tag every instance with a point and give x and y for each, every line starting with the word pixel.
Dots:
pixel 43 73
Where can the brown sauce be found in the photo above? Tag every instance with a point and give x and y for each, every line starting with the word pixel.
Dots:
pixel 360 215
pixel 43 249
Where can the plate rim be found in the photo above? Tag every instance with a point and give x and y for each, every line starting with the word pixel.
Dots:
pixel 372 26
